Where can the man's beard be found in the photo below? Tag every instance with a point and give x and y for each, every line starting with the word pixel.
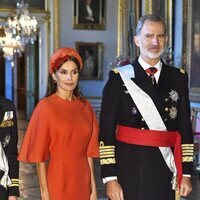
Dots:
pixel 154 55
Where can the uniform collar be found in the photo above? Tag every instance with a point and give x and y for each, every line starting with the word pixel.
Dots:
pixel 145 66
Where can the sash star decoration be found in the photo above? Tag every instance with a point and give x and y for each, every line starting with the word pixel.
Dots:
pixel 173 95
pixel 173 112
pixel 6 141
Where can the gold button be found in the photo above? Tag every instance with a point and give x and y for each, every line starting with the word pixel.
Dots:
pixel 166 99
pixel 165 119
pixel 142 128
pixel 142 119
pixel 166 109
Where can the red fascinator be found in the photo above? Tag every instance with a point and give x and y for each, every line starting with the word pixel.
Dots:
pixel 61 56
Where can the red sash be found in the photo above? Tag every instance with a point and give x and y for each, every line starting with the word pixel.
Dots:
pixel 155 139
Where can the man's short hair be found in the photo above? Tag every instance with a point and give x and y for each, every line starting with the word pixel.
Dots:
pixel 151 18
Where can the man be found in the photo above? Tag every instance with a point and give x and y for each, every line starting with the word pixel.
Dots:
pixel 145 122
pixel 88 12
pixel 9 166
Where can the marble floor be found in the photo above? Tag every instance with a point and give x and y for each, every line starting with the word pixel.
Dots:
pixel 29 185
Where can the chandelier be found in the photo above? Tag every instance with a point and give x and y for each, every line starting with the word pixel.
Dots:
pixel 19 29
pixel 10 44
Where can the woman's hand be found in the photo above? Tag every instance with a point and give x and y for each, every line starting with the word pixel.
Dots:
pixel 42 178
pixel 93 195
pixel 45 195
pixel 114 190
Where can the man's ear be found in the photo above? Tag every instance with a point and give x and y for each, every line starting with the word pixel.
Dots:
pixel 136 40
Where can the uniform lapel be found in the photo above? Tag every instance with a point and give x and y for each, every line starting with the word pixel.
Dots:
pixel 1 112
pixel 143 80
pixel 164 75
pixel 140 75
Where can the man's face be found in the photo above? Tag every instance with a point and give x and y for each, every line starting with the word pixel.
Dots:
pixel 88 2
pixel 151 40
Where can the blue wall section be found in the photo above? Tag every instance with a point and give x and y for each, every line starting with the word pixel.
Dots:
pixel 91 88
pixel 68 37
pixel 9 80
pixel 195 105
pixel 178 27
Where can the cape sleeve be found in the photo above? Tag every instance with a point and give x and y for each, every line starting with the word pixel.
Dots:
pixel 93 147
pixel 36 144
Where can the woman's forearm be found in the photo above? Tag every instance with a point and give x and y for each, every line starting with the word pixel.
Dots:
pixel 42 178
pixel 93 184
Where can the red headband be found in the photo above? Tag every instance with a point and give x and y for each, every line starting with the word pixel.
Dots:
pixel 61 56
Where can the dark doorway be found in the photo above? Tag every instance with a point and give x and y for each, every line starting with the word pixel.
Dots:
pixel 21 82
pixel 2 74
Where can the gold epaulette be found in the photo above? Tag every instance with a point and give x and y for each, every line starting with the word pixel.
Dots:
pixel 115 70
pixel 187 152
pixel 182 70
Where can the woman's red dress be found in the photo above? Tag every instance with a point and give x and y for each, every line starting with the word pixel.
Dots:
pixel 65 133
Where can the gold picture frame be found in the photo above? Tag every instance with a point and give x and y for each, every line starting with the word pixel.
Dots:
pixel 89 18
pixel 191 46
pixel 34 5
pixel 92 55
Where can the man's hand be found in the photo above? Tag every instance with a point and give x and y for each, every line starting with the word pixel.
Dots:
pixel 186 186
pixel 114 190
pixel 12 198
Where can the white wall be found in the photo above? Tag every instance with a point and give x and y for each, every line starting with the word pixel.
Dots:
pixel 68 36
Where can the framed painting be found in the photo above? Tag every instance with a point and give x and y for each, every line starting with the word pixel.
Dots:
pixel 39 5
pixel 128 15
pixel 191 46
pixel 89 14
pixel 91 54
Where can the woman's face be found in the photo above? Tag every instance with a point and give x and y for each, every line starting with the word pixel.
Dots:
pixel 66 76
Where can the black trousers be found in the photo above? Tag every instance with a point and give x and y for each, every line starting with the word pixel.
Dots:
pixel 3 193
pixel 143 173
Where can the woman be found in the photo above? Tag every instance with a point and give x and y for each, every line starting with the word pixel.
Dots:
pixel 63 131
pixel 9 165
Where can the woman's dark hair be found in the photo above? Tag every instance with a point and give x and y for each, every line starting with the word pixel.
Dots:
pixel 52 86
